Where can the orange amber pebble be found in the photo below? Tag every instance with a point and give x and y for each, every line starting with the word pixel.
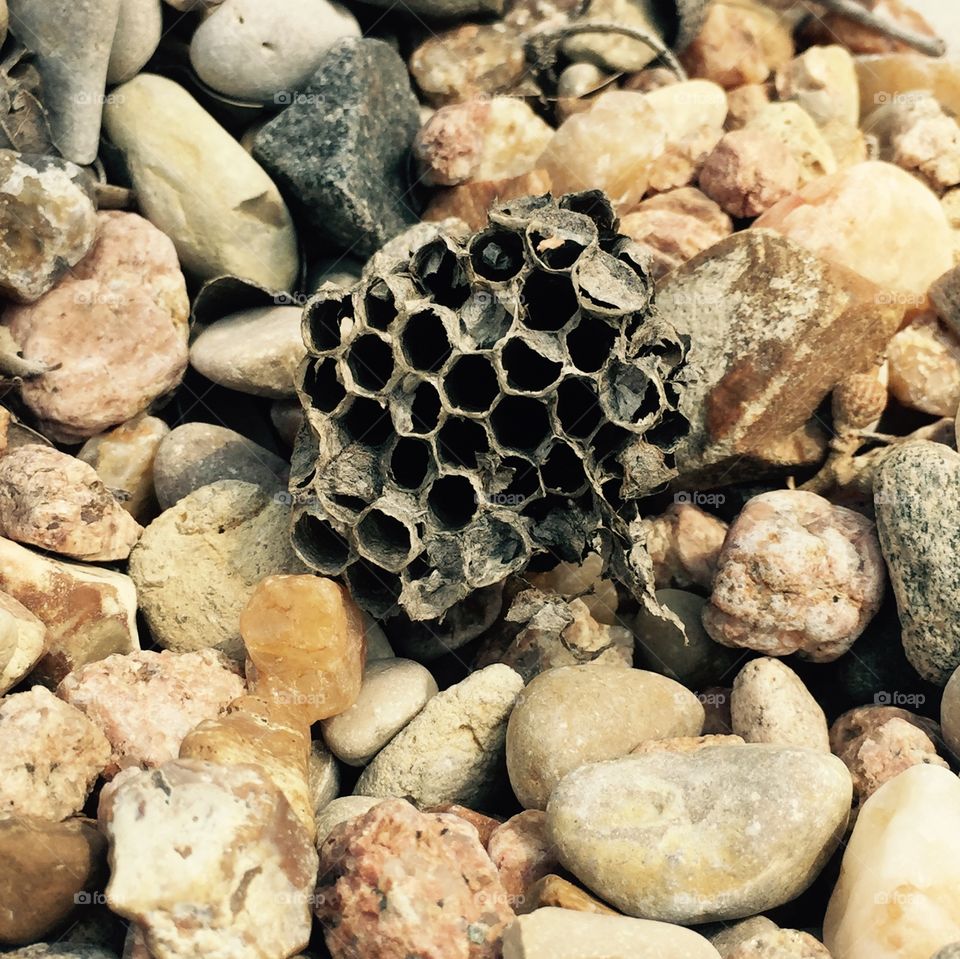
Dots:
pixel 305 636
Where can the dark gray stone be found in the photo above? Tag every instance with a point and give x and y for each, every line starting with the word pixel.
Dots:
pixel 339 151
pixel 917 500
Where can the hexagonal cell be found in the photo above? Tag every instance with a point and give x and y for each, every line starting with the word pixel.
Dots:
pixel 385 540
pixel 425 342
pixel 320 385
pixel 370 361
pixel 590 344
pixel 527 369
pixel 608 287
pixel 578 409
pixel 366 421
pixel 452 502
pixel 489 315
pixel 461 442
pixel 563 472
pixel 376 590
pixel 594 204
pixel 471 384
pixel 440 271
pixel 421 408
pixel 629 395
pixel 324 318
pixel 549 301
pixel 524 484
pixel 319 545
pixel 672 428
pixel 556 238
pixel 521 423
pixel 608 441
pixel 497 254
pixel 380 303
pixel 410 462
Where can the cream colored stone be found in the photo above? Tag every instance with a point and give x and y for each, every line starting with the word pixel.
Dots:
pixel 581 714
pixel 898 895
pixel 198 185
pixel 139 30
pixel 684 544
pixel 950 713
pixel 885 77
pixel 583 581
pixel 731 937
pixel 393 692
pixel 796 130
pixel 340 810
pixel 22 641
pixel 323 776
pixel 924 363
pixel 780 944
pixel 614 52
pixel 823 80
pixel 522 852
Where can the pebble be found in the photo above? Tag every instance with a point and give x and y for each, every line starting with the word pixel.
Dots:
pixel 485 825
pixel 675 226
pixel 451 751
pixel 197 454
pixel 177 155
pixel 897 895
pixel 88 612
pixel 556 891
pixel 287 418
pixel 480 139
pixel 470 202
pixel 919 533
pixel 950 713
pixel 780 944
pixel 254 351
pixel 924 365
pixel 874 219
pixel 564 934
pixel 61 950
pixel 123 458
pixel 654 836
pixel 126 344
pixel 346 166
pixel 396 882
pixel 748 172
pixel 585 581
pixel 51 758
pixel 770 704
pixel 48 197
pixel 197 564
pixel 22 641
pixel 323 776
pixel 305 636
pixel 617 53
pixel 71 40
pixel 732 936
pixel 581 714
pixel 233 867
pixel 888 76
pixel 925 141
pixel 522 852
pixel 796 130
pixel 676 644
pixel 796 573
pixel 393 692
pixel 139 30
pixel 45 868
pixel 57 502
pixel 684 544
pixel 341 810
pixel 146 702
pixel 249 51
pixel 823 81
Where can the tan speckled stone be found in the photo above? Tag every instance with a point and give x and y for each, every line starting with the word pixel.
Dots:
pixel 822 80
pixel 924 360
pixel 797 131
pixel 51 757
pixel 231 869
pixel 686 744
pixel 22 641
pixel 796 573
pixel 684 544
pixel 770 704
pixel 581 714
pixel 780 944
pixel 732 936
pixel 522 852
pixel 340 810
pixel 583 581
pixel 555 891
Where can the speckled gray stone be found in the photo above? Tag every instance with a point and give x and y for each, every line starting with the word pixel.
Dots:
pixel 340 149
pixel 948 952
pixel 917 499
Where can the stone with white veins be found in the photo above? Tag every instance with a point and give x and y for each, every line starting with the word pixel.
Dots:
pixel 209 860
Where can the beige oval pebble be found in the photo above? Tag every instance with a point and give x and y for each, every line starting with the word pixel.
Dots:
pixel 340 810
pixel 580 714
pixel 393 692
pixel 770 704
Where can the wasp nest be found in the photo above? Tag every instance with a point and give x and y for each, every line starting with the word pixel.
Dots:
pixel 481 400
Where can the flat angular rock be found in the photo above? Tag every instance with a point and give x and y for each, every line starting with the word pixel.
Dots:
pixel 41 197
pixel 714 834
pixel 341 149
pixel 231 869
pixel 89 613
pixel 22 641
pixel 753 383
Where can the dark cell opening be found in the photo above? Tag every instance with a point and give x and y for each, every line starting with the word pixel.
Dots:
pixel 612 489
pixel 379 305
pixel 371 362
pixel 471 384
pixel 441 273
pixel 610 439
pixel 425 411
pixel 366 422
pixel 410 463
pixel 563 470
pixel 373 588
pixel 497 254
pixel 353 504
pixel 590 344
pixel 419 568
pixel 460 442
pixel 556 255
pixel 524 484
pixel 591 203
pixel 452 502
pixel 577 408
pixel 669 431
pixel 323 323
pixel 320 383
pixel 527 369
pixel 507 543
pixel 385 539
pixel 548 300
pixel 320 545
pixel 425 343
pixel 521 423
